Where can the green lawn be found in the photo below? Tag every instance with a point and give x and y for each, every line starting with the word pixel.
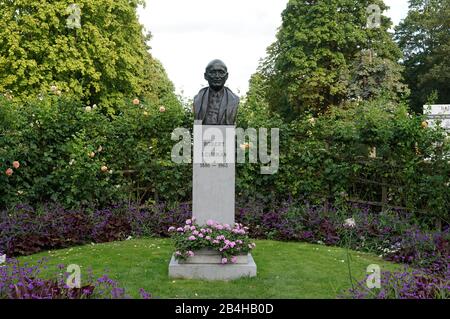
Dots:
pixel 285 270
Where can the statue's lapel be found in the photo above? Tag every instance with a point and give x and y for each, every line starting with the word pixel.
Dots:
pixel 204 105
pixel 223 106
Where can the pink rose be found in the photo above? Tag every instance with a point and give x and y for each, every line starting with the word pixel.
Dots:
pixel 188 222
pixel 9 172
pixel 210 222
pixel 232 244
pixel 195 232
pixel 171 228
pixel 16 164
pixel 193 228
pixel 219 227
pixel 234 259
pixel 224 260
pixel 215 241
pixel 180 230
pixel 162 109
pixel 208 238
pixel 192 238
pixel 200 235
pixel 178 253
pixel 190 253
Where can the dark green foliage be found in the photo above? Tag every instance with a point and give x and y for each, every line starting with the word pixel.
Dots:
pixel 424 37
pixel 314 60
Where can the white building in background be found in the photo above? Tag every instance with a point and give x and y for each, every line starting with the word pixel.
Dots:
pixel 438 114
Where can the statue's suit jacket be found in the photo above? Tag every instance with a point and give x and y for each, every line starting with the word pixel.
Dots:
pixel 227 111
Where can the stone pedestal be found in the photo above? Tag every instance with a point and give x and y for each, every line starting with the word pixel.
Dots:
pixel 207 266
pixel 213 198
pixel 213 180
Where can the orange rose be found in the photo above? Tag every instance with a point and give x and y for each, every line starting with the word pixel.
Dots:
pixel 104 169
pixel 136 101
pixel 16 164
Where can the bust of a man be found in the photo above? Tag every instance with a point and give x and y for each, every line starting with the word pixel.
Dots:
pixel 216 104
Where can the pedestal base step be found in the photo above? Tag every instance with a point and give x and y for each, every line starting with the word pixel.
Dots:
pixel 212 271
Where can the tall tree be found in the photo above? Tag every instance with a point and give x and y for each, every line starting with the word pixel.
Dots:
pixel 424 37
pixel 308 68
pixel 95 49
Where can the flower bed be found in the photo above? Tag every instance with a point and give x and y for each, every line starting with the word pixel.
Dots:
pixel 393 235
pixel 416 284
pixel 22 282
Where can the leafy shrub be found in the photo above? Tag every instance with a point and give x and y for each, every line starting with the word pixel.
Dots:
pixel 77 156
pixel 329 158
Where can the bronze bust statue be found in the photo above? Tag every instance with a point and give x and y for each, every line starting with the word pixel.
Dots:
pixel 216 104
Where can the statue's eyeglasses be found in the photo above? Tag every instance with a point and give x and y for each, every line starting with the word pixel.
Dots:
pixel 217 72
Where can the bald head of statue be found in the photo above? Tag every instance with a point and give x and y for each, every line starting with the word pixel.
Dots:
pixel 216 74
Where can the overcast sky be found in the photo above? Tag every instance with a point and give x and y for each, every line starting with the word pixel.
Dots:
pixel 187 34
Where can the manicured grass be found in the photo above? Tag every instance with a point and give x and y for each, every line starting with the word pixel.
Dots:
pixel 285 270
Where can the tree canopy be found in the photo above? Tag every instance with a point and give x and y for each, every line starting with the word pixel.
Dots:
pixel 317 55
pixel 95 49
pixel 424 37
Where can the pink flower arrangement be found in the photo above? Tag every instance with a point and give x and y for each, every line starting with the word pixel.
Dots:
pixel 227 240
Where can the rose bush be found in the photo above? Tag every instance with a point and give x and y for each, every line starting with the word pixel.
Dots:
pixel 56 149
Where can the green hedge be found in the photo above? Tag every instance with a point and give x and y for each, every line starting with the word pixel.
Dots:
pixel 326 158
pixel 62 147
